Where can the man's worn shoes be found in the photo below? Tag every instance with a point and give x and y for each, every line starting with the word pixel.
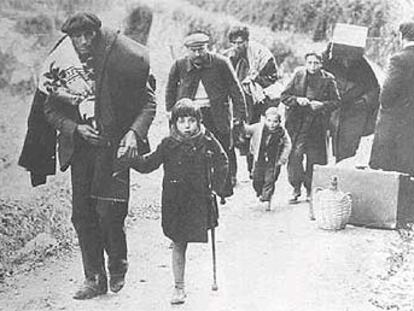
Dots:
pixel 295 197
pixel 116 282
pixel 92 288
pixel 308 195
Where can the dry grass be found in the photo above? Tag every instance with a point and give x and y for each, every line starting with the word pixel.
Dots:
pixel 317 18
pixel 68 6
pixel 178 18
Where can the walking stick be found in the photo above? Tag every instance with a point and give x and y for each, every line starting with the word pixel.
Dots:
pixel 213 206
pixel 214 287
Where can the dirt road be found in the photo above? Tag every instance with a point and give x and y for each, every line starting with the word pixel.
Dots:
pixel 272 261
pixel 276 260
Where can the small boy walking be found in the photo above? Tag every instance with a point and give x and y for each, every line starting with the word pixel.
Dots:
pixel 195 165
pixel 270 146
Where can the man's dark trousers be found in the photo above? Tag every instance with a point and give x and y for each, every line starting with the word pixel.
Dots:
pixel 255 111
pixel 99 224
pixel 225 141
pixel 297 174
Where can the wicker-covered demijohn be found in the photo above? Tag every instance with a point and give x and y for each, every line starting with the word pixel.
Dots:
pixel 332 207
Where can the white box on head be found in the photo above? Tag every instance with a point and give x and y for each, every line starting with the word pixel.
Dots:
pixel 349 40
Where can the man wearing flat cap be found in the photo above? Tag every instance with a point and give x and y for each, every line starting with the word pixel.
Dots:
pixel 393 145
pixel 93 91
pixel 210 81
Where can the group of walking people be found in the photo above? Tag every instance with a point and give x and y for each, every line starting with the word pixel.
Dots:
pixel 96 100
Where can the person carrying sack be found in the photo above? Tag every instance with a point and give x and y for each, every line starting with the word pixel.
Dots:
pixel 94 103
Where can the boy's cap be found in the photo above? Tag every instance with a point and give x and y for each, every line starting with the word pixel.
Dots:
pixel 82 21
pixel 196 39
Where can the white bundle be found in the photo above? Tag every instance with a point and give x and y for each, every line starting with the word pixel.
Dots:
pixel 63 75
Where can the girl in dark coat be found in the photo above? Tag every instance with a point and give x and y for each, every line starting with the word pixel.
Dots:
pixel 195 164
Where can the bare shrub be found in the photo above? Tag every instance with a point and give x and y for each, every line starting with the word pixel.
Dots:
pixel 287 48
pixel 7 65
pixel 40 24
pixel 23 87
pixel 315 17
pixel 138 24
pixel 68 6
pixel 381 48
pixel 191 19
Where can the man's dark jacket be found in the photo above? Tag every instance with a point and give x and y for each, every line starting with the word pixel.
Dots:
pixel 393 146
pixel 302 119
pixel 221 85
pixel 123 102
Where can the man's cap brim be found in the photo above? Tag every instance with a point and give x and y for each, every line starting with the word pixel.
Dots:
pixel 196 40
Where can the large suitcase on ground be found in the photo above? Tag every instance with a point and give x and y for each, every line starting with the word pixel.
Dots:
pixel 379 199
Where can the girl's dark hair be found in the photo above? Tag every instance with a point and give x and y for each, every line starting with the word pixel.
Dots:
pixel 185 108
pixel 239 31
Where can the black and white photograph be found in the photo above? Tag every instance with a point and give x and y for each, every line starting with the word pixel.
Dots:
pixel 207 155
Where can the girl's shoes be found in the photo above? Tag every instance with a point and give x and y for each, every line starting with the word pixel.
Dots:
pixel 178 296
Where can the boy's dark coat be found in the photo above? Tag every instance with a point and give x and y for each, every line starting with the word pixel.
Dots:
pixel 303 119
